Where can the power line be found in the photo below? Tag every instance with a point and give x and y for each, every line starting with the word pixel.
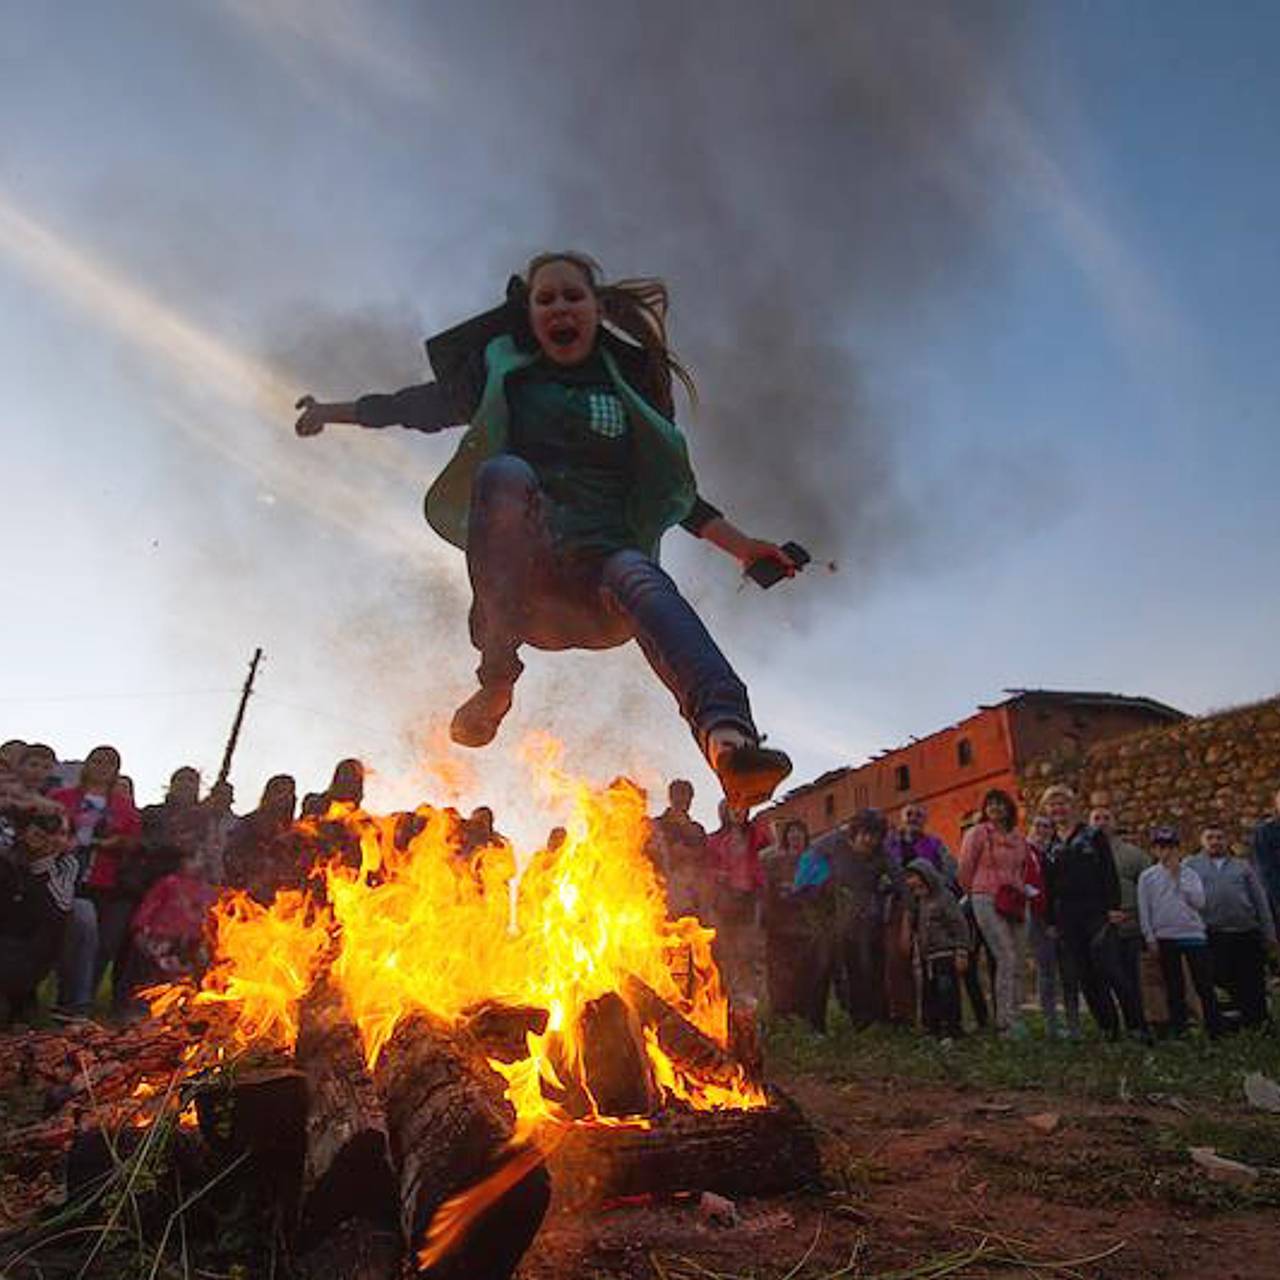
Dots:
pixel 381 730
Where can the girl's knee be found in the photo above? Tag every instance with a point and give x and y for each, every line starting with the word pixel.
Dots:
pixel 503 476
pixel 629 572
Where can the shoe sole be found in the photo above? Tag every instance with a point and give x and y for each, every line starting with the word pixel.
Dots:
pixel 753 783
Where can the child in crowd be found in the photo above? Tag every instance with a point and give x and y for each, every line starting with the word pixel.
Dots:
pixel 942 941
pixel 1170 902
pixel 168 928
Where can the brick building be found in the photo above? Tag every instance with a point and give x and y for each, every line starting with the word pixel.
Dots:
pixel 951 769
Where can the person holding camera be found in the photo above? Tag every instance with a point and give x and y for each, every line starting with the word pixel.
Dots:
pixel 37 883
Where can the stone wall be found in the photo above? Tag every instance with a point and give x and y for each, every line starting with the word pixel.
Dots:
pixel 1222 768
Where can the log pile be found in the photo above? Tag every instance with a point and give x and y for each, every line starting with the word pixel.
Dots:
pixel 365 1168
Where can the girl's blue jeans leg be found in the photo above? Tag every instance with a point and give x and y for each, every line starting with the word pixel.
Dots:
pixel 505 535
pixel 520 585
pixel 677 644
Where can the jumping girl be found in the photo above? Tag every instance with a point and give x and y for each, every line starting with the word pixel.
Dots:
pixel 560 491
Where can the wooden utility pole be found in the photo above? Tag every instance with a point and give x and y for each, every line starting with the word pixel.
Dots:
pixel 239 720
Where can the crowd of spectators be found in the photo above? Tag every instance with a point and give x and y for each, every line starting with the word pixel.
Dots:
pixel 880 915
pixel 883 917
pixel 92 887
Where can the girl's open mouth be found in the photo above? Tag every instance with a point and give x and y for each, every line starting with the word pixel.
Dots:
pixel 563 335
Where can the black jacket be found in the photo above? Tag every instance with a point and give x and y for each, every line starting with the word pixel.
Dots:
pixel 1081 884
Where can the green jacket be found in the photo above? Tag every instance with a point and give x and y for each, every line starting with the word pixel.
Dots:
pixel 663 490
pixel 1130 862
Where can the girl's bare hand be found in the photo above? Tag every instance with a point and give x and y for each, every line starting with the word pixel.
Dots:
pixel 311 421
pixel 757 549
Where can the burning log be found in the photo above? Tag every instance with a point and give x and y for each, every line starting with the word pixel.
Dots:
pixel 614 1062
pixel 678 1038
pixel 744 1041
pixel 347 1171
pixel 501 1030
pixel 450 1130
pixel 763 1151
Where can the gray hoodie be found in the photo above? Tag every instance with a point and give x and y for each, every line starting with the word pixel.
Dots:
pixel 940 924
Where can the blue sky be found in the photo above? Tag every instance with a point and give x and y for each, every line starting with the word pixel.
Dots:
pixel 1055 278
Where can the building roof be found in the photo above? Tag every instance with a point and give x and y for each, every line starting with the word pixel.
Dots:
pixel 1074 697
pixel 1089 698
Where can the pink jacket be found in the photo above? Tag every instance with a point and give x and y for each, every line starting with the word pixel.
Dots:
pixel 175 907
pixel 735 855
pixel 990 857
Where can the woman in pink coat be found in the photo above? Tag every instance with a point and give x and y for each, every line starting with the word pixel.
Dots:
pixel 993 859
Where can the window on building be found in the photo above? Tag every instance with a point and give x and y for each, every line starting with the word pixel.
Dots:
pixel 861 797
pixel 902 777
pixel 964 752
pixel 830 805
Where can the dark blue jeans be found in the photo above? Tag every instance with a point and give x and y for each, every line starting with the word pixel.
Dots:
pixel 528 590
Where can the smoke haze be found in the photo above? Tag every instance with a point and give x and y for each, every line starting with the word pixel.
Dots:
pixel 799 174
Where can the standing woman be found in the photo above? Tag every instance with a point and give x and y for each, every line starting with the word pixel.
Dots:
pixel 993 861
pixel 105 826
pixel 1052 963
pixel 560 492
pixel 793 972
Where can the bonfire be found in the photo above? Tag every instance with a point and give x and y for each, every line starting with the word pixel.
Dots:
pixel 415 1047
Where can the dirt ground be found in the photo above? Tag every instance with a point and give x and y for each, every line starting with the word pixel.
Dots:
pixel 928 1180
pixel 923 1179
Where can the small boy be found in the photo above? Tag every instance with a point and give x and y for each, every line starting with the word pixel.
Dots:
pixel 942 942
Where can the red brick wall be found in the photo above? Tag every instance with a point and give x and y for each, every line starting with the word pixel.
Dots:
pixel 935 778
pixel 1001 741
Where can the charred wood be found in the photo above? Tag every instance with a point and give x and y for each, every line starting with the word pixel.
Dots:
pixel 766 1151
pixel 450 1129
pixel 678 1038
pixel 261 1113
pixel 501 1031
pixel 614 1062
pixel 357 1250
pixel 347 1171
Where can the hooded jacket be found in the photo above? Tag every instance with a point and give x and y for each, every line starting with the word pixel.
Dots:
pixel 940 924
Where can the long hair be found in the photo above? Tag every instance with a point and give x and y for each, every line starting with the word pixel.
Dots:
pixel 637 308
pixel 794 824
pixel 1010 808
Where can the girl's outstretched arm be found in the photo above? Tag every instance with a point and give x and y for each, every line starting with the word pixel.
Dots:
pixel 421 408
pixel 742 547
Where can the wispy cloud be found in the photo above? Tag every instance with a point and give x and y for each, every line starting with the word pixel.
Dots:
pixel 1146 323
pixel 237 407
pixel 333 47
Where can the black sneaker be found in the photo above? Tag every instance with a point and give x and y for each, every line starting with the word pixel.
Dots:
pixel 476 722
pixel 749 774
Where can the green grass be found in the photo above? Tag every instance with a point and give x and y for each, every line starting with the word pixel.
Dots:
pixel 1191 1070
